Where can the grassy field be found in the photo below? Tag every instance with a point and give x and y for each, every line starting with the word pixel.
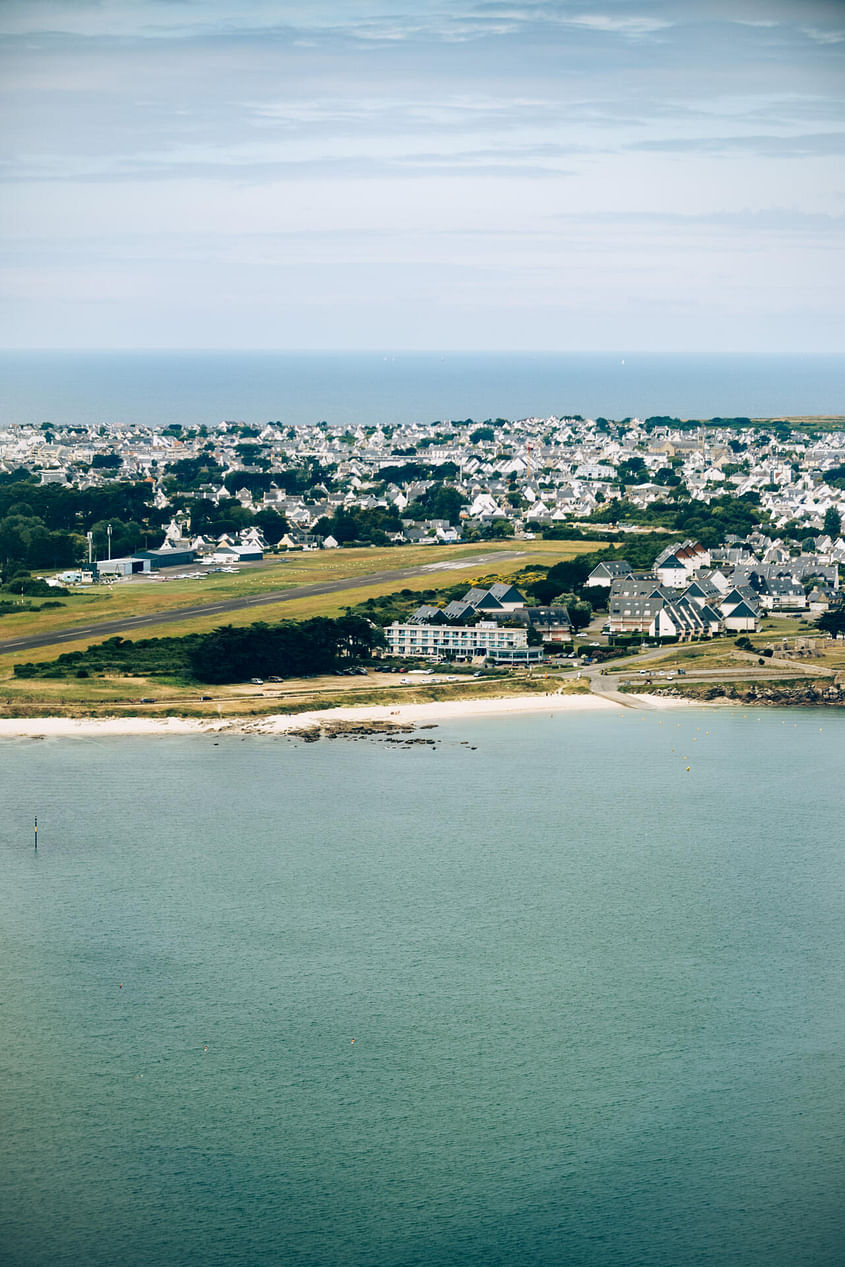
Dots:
pixel 120 697
pixel 141 597
pixel 145 598
pixel 101 696
pixel 722 653
pixel 810 422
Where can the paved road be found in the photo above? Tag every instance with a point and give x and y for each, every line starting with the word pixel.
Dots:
pixel 130 624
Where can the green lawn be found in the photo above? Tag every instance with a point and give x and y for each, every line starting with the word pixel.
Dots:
pixel 283 572
pixel 722 653
pixel 116 696
pixel 137 598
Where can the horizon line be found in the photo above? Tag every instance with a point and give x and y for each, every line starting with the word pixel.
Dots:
pixel 433 351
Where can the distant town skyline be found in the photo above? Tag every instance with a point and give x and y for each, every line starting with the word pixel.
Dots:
pixel 659 176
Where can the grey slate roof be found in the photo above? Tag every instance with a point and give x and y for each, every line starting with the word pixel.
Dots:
pixel 542 617
pixel 612 568
pixel 458 611
pixel 427 615
pixel 634 587
pixel 505 593
pixel 483 599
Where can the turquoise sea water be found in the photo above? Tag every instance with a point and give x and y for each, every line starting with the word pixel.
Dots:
pixel 158 388
pixel 596 998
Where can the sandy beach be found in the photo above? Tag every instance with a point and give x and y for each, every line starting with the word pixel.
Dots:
pixel 282 723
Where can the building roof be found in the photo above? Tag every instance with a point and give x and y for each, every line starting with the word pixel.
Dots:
pixel 611 568
pixel 458 611
pixel 743 610
pixel 482 598
pixel 166 552
pixel 547 617
pixel 506 593
pixel 426 614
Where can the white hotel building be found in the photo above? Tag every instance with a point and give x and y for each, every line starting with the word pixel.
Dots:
pixel 459 642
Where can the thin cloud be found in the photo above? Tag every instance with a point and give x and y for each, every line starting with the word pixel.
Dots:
pixel 632 27
pixel 540 139
pixel 770 220
pixel 823 37
pixel 243 165
pixel 810 145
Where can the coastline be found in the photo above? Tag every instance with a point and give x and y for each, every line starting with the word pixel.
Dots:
pixel 383 715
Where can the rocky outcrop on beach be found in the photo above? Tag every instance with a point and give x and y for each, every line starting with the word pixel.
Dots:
pixel 346 730
pixel 802 694
pixel 390 732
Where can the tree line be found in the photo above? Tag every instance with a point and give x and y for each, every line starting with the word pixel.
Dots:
pixel 709 523
pixel 227 654
pixel 44 526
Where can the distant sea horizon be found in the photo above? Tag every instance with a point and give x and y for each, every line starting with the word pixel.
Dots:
pixel 160 387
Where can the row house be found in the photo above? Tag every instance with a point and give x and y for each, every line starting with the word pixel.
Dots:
pixel 683 618
pixel 676 565
pixel 642 606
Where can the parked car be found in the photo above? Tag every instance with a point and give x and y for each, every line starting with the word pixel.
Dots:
pixel 257 681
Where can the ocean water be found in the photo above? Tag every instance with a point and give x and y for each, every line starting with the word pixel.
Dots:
pixel 595 997
pixel 192 388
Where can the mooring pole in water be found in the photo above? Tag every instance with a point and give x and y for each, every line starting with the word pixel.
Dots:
pixel 36 835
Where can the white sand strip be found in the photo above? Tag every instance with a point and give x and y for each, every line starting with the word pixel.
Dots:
pixel 280 723
pixel 401 714
pixel 437 710
pixel 97 727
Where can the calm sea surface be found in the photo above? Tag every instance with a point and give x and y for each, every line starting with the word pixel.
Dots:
pixel 158 388
pixel 596 998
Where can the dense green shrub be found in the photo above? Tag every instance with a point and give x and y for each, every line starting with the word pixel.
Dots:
pixel 229 654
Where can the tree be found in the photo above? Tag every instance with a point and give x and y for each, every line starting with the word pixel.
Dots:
pixel 290 649
pixel 25 541
pixel 187 473
pixel 568 576
pixel 272 524
pixel 210 520
pixel 481 434
pixel 832 522
pixel 353 524
pixel 125 537
pixel 580 613
pixel 833 622
pixel 631 471
pixel 441 501
pixel 498 530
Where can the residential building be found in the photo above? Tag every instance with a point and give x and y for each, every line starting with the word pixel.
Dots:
pixel 460 642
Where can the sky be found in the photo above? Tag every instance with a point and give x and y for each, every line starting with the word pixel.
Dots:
pixel 651 175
